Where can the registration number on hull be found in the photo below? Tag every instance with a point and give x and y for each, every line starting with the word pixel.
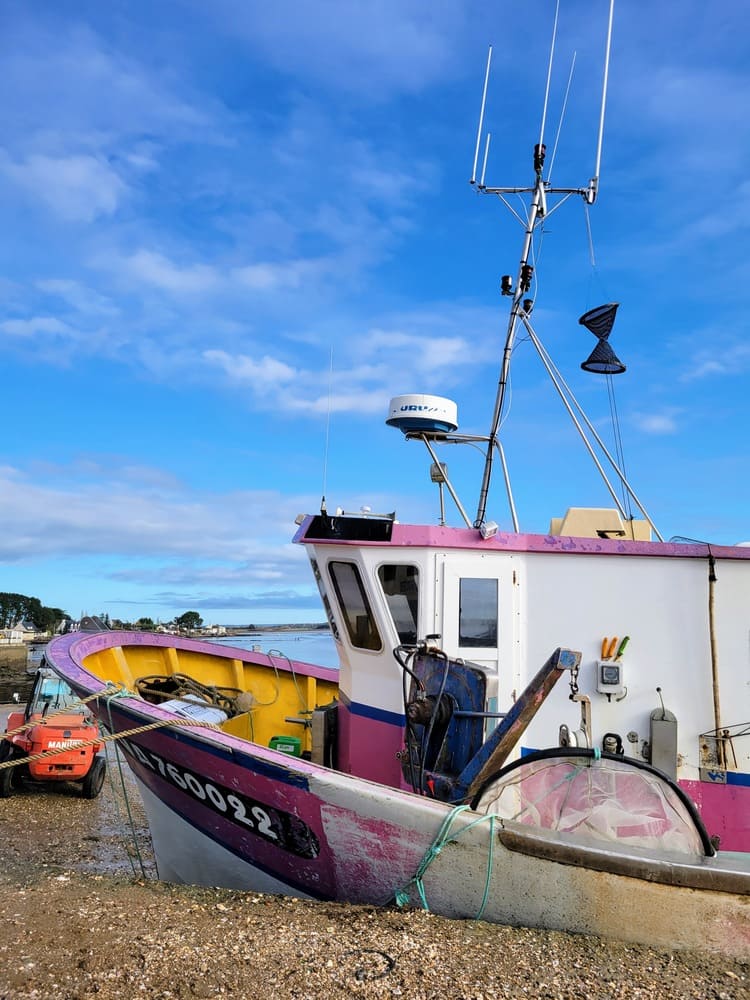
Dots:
pixel 285 830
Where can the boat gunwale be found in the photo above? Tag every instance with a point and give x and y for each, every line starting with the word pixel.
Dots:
pixel 75 646
pixel 712 873
pixel 86 643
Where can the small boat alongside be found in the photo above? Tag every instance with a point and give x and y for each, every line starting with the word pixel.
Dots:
pixel 548 730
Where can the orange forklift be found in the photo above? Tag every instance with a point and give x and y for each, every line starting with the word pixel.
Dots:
pixel 53 719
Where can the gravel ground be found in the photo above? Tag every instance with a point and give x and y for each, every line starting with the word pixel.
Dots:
pixel 83 919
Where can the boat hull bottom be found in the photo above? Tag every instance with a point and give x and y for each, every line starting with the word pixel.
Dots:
pixel 186 856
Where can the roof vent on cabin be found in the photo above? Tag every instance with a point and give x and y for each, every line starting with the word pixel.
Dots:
pixel 419 414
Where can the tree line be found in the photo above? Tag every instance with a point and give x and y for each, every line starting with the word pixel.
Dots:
pixel 188 621
pixel 15 608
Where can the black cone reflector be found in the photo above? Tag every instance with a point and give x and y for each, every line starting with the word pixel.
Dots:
pixel 603 361
pixel 600 320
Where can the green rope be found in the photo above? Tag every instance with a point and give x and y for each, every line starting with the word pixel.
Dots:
pixel 444 836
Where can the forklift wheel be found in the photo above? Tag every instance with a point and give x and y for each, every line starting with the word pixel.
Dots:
pixel 8 775
pixel 94 780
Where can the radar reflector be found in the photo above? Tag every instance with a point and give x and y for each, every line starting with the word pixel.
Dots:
pixel 602 360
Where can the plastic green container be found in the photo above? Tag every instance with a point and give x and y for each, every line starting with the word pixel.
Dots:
pixel 287 744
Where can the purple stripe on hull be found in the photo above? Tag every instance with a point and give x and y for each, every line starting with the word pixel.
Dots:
pixel 372 754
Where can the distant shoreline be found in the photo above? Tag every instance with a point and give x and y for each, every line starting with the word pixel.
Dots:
pixel 250 630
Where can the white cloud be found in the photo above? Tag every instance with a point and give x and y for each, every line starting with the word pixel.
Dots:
pixel 366 362
pixel 428 353
pixel 724 359
pixel 78 296
pixel 658 423
pixel 155 269
pixel 265 375
pixel 373 51
pixel 265 277
pixel 36 326
pixel 72 76
pixel 78 188
pixel 94 508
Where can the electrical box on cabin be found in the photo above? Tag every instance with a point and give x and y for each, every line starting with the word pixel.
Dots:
pixel 610 677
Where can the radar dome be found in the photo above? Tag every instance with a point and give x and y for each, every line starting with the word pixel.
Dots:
pixel 419 414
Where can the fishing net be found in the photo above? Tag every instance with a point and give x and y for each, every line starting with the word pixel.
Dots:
pixel 597 800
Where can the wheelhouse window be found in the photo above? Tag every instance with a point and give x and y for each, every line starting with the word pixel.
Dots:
pixel 477 612
pixel 354 606
pixel 324 598
pixel 400 586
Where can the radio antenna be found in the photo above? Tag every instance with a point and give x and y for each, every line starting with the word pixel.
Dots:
pixel 486 154
pixel 549 74
pixel 481 121
pixel 594 184
pixel 562 116
pixel 323 508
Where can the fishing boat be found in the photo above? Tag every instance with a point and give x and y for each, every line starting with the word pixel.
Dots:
pixel 486 745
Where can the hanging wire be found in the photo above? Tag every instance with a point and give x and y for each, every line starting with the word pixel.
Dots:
pixel 614 416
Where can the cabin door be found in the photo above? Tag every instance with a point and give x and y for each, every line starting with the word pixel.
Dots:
pixel 480 620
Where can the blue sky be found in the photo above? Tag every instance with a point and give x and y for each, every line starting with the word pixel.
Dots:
pixel 222 221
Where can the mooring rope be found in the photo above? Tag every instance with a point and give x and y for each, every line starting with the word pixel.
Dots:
pixel 131 818
pixel 444 836
pixel 71 707
pixel 108 738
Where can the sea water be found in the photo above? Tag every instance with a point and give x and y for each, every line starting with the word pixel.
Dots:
pixel 308 645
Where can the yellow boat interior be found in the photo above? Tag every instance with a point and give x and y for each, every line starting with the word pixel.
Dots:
pixel 264 698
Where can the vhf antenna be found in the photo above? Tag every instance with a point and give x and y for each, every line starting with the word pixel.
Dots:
pixel 481 123
pixel 537 211
pixel 594 185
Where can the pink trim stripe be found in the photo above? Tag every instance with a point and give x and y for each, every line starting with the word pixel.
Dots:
pixel 436 537
pixel 725 810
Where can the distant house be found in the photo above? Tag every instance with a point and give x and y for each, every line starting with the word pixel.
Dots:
pixel 22 631
pixel 215 630
pixel 11 636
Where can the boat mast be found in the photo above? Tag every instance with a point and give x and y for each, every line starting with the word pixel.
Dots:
pixel 536 213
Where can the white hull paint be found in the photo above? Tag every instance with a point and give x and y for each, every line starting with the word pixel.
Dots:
pixel 187 855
